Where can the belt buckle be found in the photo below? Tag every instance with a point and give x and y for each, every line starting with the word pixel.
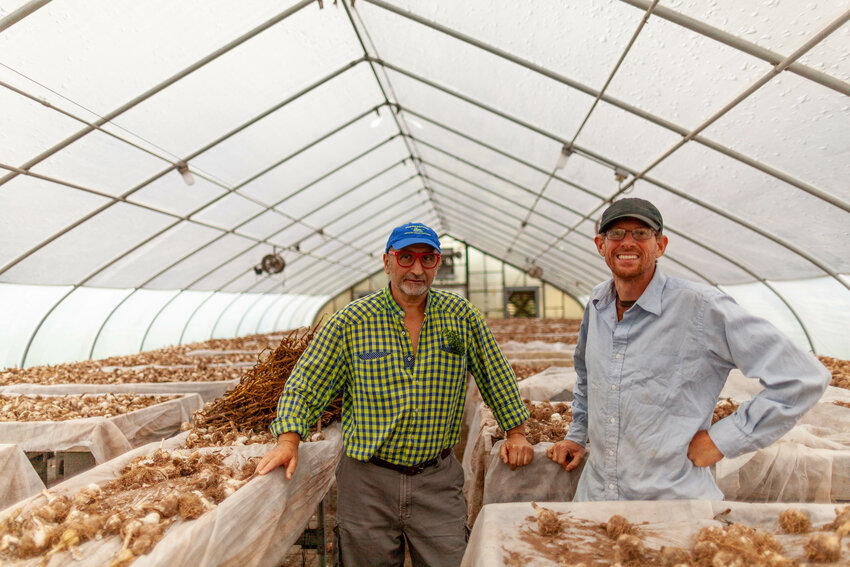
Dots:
pixel 416 469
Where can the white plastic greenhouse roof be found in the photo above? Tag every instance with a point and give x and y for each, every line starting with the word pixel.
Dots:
pixel 312 128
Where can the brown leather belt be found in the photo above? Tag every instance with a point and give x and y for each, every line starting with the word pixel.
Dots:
pixel 413 469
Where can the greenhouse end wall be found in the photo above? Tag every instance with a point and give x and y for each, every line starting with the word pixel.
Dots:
pixel 57 324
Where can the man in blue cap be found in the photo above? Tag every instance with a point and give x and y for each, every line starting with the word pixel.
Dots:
pixel 400 356
pixel 653 354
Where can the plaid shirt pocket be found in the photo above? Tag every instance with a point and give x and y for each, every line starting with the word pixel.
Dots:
pixel 452 349
pixel 373 355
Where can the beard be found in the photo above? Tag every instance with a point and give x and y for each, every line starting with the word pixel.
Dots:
pixel 413 288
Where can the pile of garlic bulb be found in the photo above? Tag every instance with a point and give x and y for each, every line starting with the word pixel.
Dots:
pixel 151 493
pixel 63 408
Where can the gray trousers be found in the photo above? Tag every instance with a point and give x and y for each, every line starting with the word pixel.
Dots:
pixel 378 509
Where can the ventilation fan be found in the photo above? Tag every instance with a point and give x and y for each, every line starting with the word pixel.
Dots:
pixel 273 263
pixel 534 271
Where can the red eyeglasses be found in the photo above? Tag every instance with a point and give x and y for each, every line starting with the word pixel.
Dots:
pixel 405 259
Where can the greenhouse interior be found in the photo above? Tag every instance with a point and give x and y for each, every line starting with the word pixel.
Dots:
pixel 193 191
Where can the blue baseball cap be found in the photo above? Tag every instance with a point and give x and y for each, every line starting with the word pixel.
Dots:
pixel 412 233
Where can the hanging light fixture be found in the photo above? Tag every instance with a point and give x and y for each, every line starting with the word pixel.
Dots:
pixel 620 174
pixel 183 168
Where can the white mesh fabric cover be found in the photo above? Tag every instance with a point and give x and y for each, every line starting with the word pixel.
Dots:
pixel 482 429
pixel 255 526
pixel 487 479
pixel 670 523
pixel 208 391
pixel 811 463
pixel 104 438
pixel 18 480
pixel 542 481
pixel 556 383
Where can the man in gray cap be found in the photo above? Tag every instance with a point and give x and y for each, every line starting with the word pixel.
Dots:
pixel 653 354
pixel 400 357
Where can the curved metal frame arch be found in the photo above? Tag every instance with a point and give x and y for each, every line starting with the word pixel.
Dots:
pixel 303 277
pixel 740 44
pixel 743 268
pixel 613 164
pixel 226 308
pixel 582 268
pixel 288 307
pixel 280 299
pixel 205 205
pixel 44 320
pixel 308 277
pixel 311 307
pixel 226 262
pixel 729 259
pixel 692 136
pixel 398 123
pixel 123 197
pixel 370 217
pixel 261 296
pixel 161 86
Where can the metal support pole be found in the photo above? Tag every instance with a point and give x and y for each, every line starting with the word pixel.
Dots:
pixel 21 13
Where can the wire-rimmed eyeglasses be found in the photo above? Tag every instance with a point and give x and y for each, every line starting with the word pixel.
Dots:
pixel 637 233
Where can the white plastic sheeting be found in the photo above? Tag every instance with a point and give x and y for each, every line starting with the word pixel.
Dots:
pixel 312 132
pixel 208 391
pixel 673 523
pixel 542 480
pixel 20 479
pixel 810 463
pixel 52 324
pixel 104 437
pixel 276 509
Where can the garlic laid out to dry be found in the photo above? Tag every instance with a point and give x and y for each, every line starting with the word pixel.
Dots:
pixel 151 493
pixel 64 408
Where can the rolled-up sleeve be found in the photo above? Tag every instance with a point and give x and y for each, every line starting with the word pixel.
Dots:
pixel 578 426
pixel 316 378
pixel 793 379
pixel 495 377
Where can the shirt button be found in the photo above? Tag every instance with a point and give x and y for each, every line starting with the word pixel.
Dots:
pixel 619 356
pixel 613 420
pixel 613 387
pixel 611 451
pixel 611 486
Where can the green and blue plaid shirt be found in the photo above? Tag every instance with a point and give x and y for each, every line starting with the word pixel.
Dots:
pixel 394 407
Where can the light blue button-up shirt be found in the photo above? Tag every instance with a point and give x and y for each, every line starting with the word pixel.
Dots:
pixel 648 383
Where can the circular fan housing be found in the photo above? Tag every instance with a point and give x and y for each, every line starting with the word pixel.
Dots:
pixel 535 271
pixel 273 263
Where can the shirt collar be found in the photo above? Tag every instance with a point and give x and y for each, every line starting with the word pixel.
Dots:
pixel 393 306
pixel 649 300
